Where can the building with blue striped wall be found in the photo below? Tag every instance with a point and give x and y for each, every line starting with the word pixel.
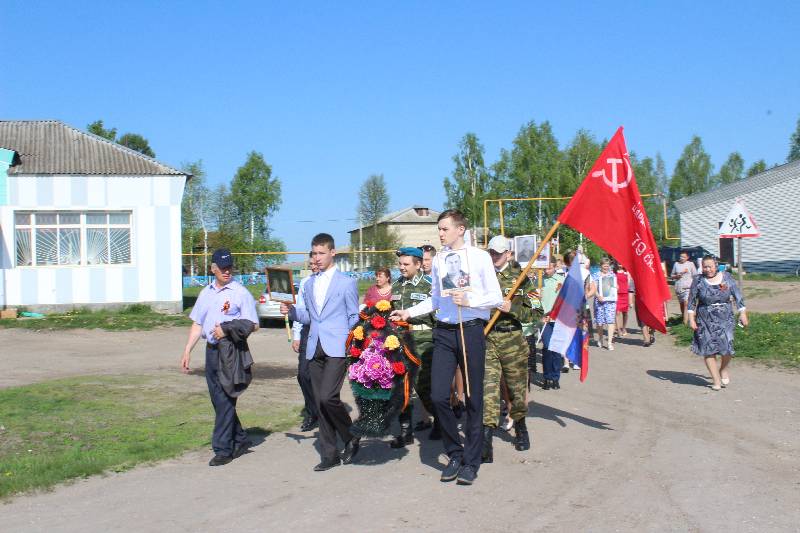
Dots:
pixel 85 222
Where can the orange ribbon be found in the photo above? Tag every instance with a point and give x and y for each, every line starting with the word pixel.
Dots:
pixel 411 356
pixel 406 387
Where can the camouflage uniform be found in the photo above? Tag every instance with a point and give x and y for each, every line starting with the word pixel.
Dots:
pixel 507 352
pixel 408 293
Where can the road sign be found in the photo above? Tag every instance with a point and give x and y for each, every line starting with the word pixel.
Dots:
pixel 739 223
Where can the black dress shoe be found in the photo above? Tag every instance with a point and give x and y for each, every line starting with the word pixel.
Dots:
pixel 309 424
pixel 219 460
pixel 555 384
pixel 351 450
pixel 241 449
pixel 327 464
pixel 467 475
pixel 450 472
pixel 547 384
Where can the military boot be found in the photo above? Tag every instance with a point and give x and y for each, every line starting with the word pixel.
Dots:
pixel 487 455
pixel 522 441
pixel 406 435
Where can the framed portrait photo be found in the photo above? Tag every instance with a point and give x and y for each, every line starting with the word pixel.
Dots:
pixel 543 259
pixel 453 271
pixel 279 285
pixel 524 246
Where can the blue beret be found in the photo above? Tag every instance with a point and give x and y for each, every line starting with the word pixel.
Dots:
pixel 410 250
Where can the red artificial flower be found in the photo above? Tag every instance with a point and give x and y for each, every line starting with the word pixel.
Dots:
pixel 378 322
pixel 374 334
pixel 369 303
pixel 399 368
pixel 355 352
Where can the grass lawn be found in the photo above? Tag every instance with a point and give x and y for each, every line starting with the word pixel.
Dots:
pixel 59 430
pixel 770 337
pixel 132 317
pixel 767 277
pixel 137 316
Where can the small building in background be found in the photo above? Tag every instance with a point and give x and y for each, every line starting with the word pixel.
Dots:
pixel 772 198
pixel 85 222
pixel 412 226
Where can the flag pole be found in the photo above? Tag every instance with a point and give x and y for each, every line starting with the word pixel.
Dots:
pixel 464 352
pixel 522 276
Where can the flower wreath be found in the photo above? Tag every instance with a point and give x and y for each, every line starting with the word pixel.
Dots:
pixel 381 366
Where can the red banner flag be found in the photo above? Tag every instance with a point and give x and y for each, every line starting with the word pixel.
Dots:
pixel 608 209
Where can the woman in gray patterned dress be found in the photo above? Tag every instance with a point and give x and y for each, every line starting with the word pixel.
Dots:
pixel 711 317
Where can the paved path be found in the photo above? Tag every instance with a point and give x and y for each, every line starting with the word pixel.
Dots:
pixel 643 445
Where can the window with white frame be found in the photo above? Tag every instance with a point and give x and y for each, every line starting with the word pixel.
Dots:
pixel 46 238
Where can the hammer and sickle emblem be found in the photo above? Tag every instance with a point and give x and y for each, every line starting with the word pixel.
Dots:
pixel 614 182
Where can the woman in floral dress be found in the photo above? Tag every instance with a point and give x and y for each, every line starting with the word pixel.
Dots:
pixel 605 302
pixel 711 317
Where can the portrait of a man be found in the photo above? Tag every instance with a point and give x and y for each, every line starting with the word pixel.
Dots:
pixel 455 276
pixel 524 245
pixel 279 285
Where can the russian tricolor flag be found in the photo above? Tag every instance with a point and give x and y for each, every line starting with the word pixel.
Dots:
pixel 567 338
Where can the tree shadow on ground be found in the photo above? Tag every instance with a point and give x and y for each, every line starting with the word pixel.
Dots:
pixel 540 410
pixel 680 378
pixel 261 371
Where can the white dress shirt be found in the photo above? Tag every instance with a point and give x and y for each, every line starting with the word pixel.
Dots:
pixel 484 294
pixel 321 285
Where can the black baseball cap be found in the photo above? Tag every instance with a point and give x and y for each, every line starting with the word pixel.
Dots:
pixel 222 258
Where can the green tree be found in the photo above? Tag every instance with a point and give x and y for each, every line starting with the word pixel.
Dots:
pixel 731 170
pixel 537 168
pixel 97 128
pixel 794 144
pixel 470 182
pixel 757 168
pixel 136 142
pixel 692 171
pixel 580 156
pixel 645 171
pixel 373 203
pixel 256 195
pixel 662 179
pixel 194 227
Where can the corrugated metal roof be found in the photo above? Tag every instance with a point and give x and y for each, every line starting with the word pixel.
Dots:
pixel 731 191
pixel 52 147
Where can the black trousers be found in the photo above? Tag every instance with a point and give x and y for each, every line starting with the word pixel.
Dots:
pixel 228 431
pixel 327 376
pixel 447 353
pixel 304 376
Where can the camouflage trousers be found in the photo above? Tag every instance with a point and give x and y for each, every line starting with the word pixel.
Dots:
pixel 506 357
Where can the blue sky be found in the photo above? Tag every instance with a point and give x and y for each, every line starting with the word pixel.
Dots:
pixel 331 92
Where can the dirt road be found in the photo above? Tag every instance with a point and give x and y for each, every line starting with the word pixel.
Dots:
pixel 643 445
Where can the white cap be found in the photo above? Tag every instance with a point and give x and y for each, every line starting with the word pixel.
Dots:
pixel 499 244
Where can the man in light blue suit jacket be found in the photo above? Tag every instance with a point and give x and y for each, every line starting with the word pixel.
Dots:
pixel 330 301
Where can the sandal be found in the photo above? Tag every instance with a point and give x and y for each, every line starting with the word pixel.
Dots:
pixel 716 387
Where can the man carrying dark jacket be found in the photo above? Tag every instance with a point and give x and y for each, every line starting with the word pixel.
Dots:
pixel 221 316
